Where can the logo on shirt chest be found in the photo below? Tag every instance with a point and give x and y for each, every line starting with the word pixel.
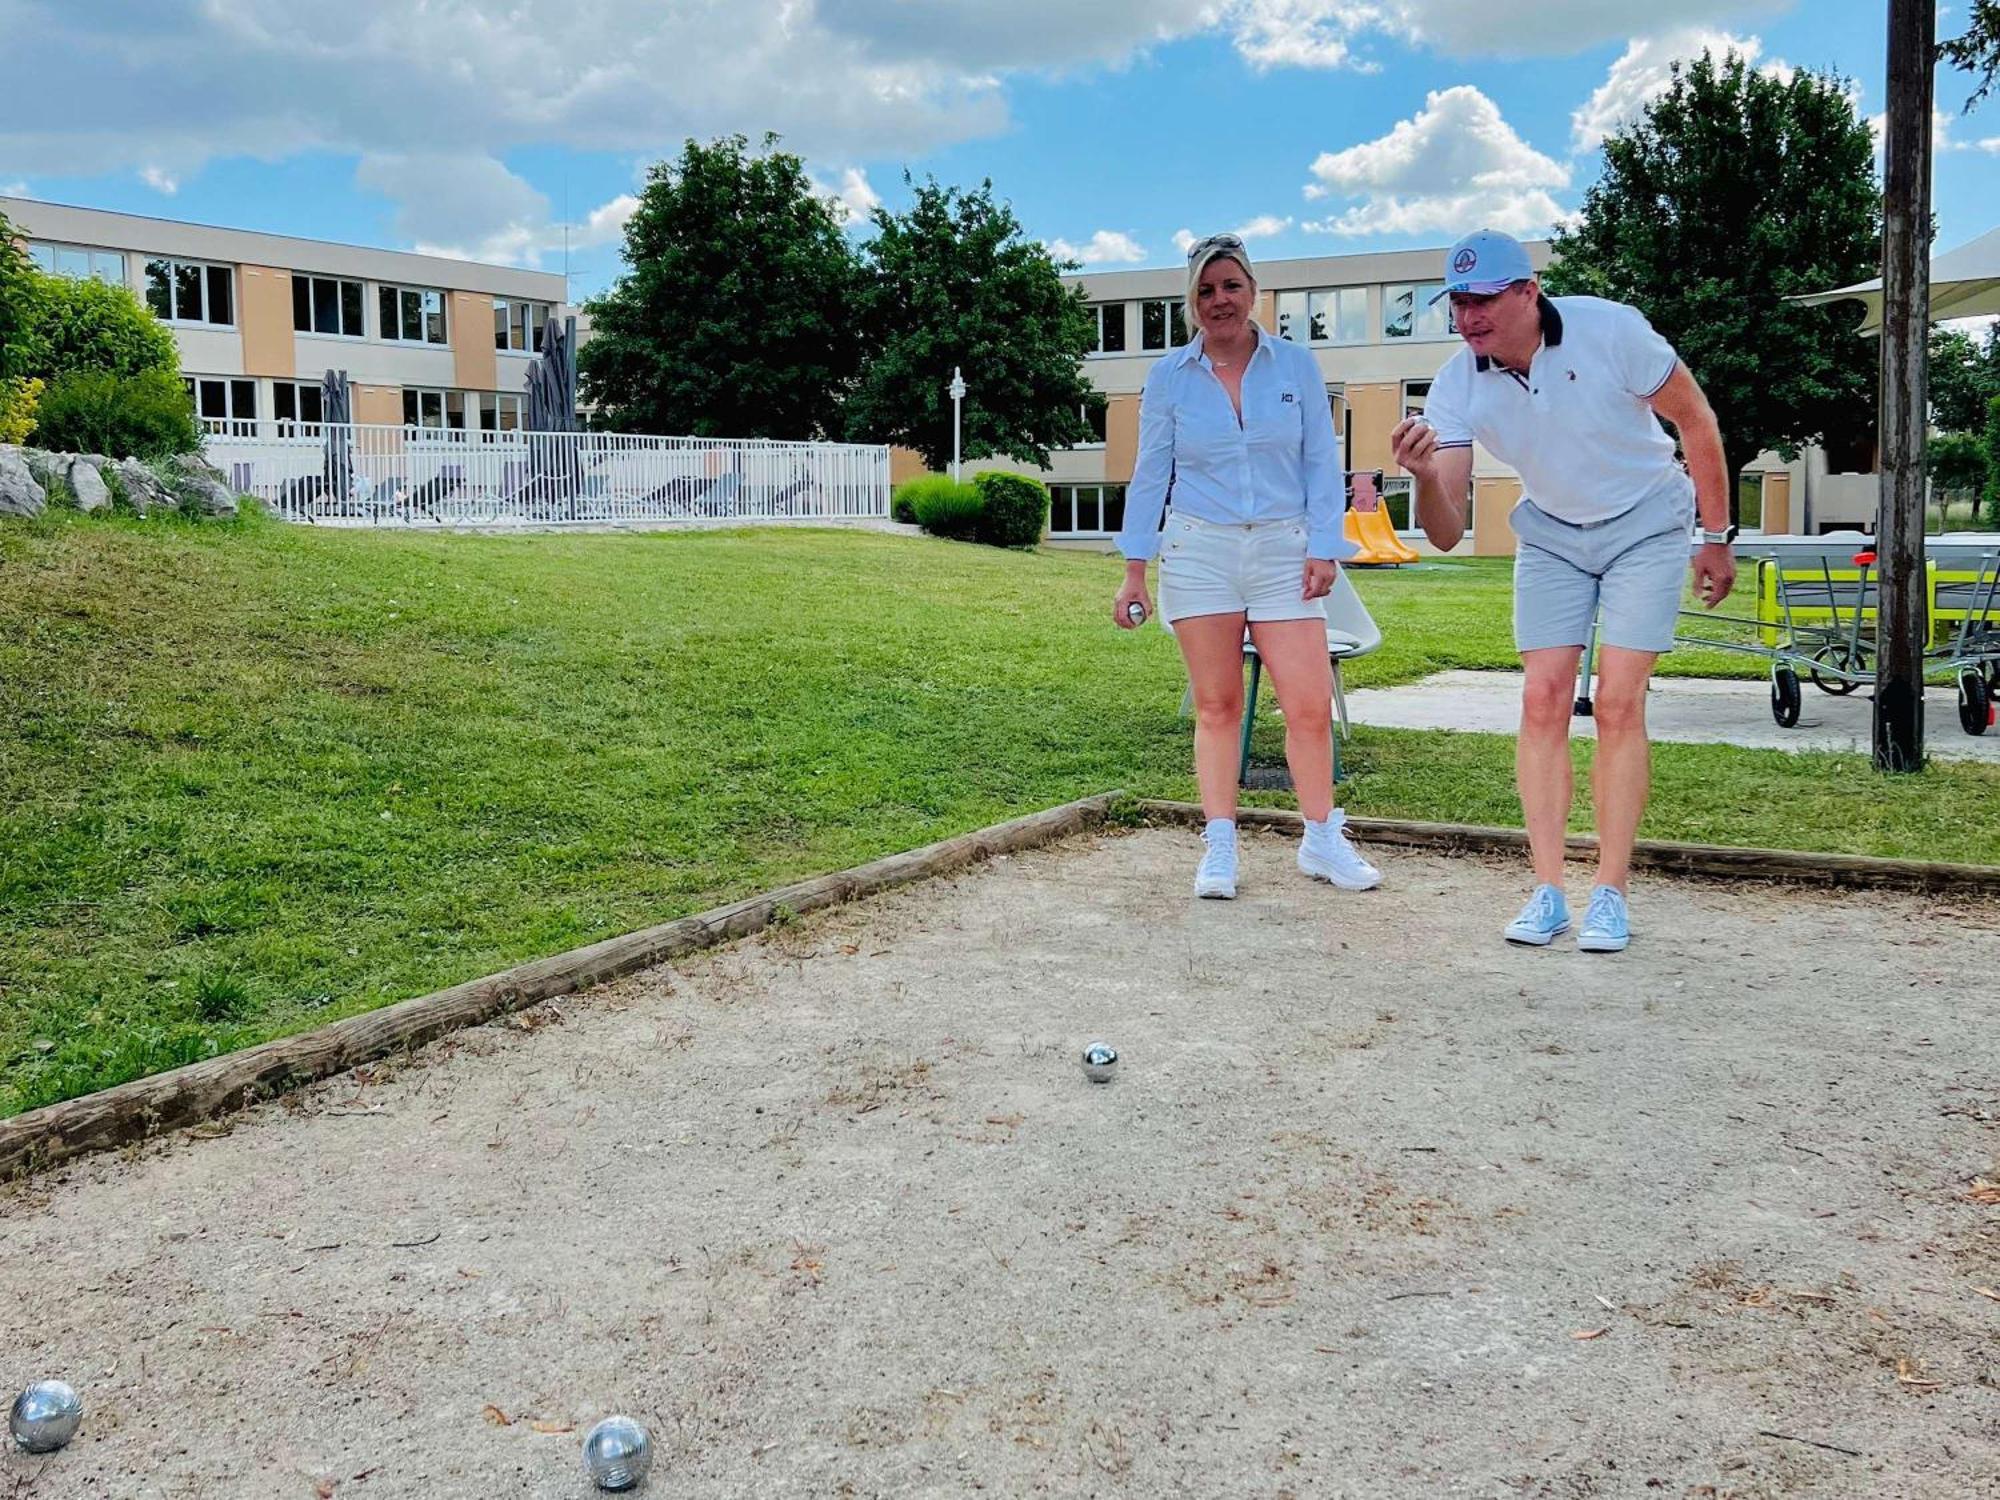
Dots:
pixel 1292 396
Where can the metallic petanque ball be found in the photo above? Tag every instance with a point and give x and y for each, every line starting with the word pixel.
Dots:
pixel 617 1452
pixel 1136 612
pixel 45 1416
pixel 1100 1060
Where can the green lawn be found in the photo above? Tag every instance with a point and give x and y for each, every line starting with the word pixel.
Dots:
pixel 259 776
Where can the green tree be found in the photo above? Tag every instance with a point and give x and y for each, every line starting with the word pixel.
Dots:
pixel 1734 191
pixel 1978 50
pixel 83 324
pixel 1992 443
pixel 1964 376
pixel 1957 466
pixel 954 284
pixel 735 316
pixel 19 286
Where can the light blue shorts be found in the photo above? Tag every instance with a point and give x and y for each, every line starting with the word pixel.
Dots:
pixel 1629 570
pixel 1256 570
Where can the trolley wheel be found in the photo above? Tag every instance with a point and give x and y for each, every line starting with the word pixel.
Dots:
pixel 1975 703
pixel 1839 659
pixel 1786 698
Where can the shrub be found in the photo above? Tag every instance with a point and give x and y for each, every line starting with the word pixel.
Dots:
pixel 1015 509
pixel 147 415
pixel 1991 440
pixel 80 323
pixel 903 503
pixel 946 509
pixel 19 399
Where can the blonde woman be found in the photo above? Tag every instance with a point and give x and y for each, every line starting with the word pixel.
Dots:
pixel 1236 424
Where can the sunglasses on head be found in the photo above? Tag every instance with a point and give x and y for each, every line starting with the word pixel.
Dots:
pixel 1214 242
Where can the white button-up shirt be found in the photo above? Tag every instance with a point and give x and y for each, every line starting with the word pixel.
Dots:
pixel 1280 460
pixel 1578 423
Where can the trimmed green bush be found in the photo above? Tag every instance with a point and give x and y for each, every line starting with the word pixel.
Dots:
pixel 1015 508
pixel 946 509
pixel 81 323
pixel 147 415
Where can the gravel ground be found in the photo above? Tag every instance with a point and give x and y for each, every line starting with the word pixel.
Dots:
pixel 1378 1207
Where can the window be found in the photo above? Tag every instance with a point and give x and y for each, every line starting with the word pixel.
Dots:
pixel 1335 315
pixel 1397 497
pixel 225 406
pixel 441 411
pixel 1343 420
pixel 520 325
pixel 78 261
pixel 413 314
pixel 1093 413
pixel 294 402
pixel 1110 329
pixel 1416 395
pixel 1409 313
pixel 498 412
pixel 182 291
pixel 1163 324
pixel 1086 509
pixel 321 304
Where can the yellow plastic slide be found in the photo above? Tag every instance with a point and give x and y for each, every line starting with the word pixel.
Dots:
pixel 1371 532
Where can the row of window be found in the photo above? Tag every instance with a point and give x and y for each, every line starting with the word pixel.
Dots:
pixel 181 291
pixel 1098 510
pixel 1322 315
pixel 231 402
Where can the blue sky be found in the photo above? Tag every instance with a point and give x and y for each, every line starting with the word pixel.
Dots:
pixel 1320 126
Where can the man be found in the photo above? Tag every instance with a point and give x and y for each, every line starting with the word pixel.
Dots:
pixel 1570 391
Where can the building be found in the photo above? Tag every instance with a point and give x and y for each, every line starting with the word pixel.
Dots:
pixel 1379 340
pixel 427 341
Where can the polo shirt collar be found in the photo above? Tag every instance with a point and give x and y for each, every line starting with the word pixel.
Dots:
pixel 1552 332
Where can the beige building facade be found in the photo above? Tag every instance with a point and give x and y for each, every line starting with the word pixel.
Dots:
pixel 260 318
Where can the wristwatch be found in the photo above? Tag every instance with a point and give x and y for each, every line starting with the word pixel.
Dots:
pixel 1720 538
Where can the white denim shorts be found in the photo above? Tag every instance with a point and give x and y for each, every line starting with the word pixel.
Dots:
pixel 1216 568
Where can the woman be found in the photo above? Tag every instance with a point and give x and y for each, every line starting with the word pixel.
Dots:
pixel 1237 424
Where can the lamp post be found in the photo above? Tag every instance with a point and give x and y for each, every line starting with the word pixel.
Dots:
pixel 957 392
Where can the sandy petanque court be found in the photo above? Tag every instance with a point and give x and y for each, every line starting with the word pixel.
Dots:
pixel 1377 1207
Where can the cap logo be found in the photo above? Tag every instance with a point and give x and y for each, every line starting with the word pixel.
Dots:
pixel 1465 260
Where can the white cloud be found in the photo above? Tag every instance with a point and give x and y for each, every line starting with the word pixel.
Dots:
pixel 1106 247
pixel 1645 72
pixel 1941 139
pixel 13 190
pixel 160 180
pixel 1991 143
pixel 471 207
pixel 1260 228
pixel 1532 28
pixel 1455 166
pixel 605 224
pixel 854 199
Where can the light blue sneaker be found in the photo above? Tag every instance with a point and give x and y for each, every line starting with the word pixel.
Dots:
pixel 1607 927
pixel 1215 877
pixel 1544 917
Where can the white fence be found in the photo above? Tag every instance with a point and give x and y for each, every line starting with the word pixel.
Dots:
pixel 359 475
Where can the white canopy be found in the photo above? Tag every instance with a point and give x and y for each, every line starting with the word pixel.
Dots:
pixel 1965 283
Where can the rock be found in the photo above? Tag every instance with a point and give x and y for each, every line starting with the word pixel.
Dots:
pixel 46 467
pixel 142 487
pixel 86 485
pixel 201 482
pixel 21 494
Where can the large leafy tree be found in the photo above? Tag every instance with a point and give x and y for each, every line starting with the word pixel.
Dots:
pixel 954 284
pixel 1977 51
pixel 1964 378
pixel 735 317
pixel 1734 191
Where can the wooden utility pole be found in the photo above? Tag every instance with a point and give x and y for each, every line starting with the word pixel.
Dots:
pixel 1902 618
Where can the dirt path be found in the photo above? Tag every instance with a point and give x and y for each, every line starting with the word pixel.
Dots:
pixel 834 1212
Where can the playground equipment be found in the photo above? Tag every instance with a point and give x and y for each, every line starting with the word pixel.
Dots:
pixel 1367 524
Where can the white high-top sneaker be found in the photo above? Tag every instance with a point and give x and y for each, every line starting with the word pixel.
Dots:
pixel 1325 854
pixel 1215 876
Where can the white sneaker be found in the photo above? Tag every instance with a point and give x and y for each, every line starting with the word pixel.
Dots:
pixel 1215 876
pixel 1325 854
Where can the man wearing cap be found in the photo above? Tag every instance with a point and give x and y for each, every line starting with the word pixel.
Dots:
pixel 1571 391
